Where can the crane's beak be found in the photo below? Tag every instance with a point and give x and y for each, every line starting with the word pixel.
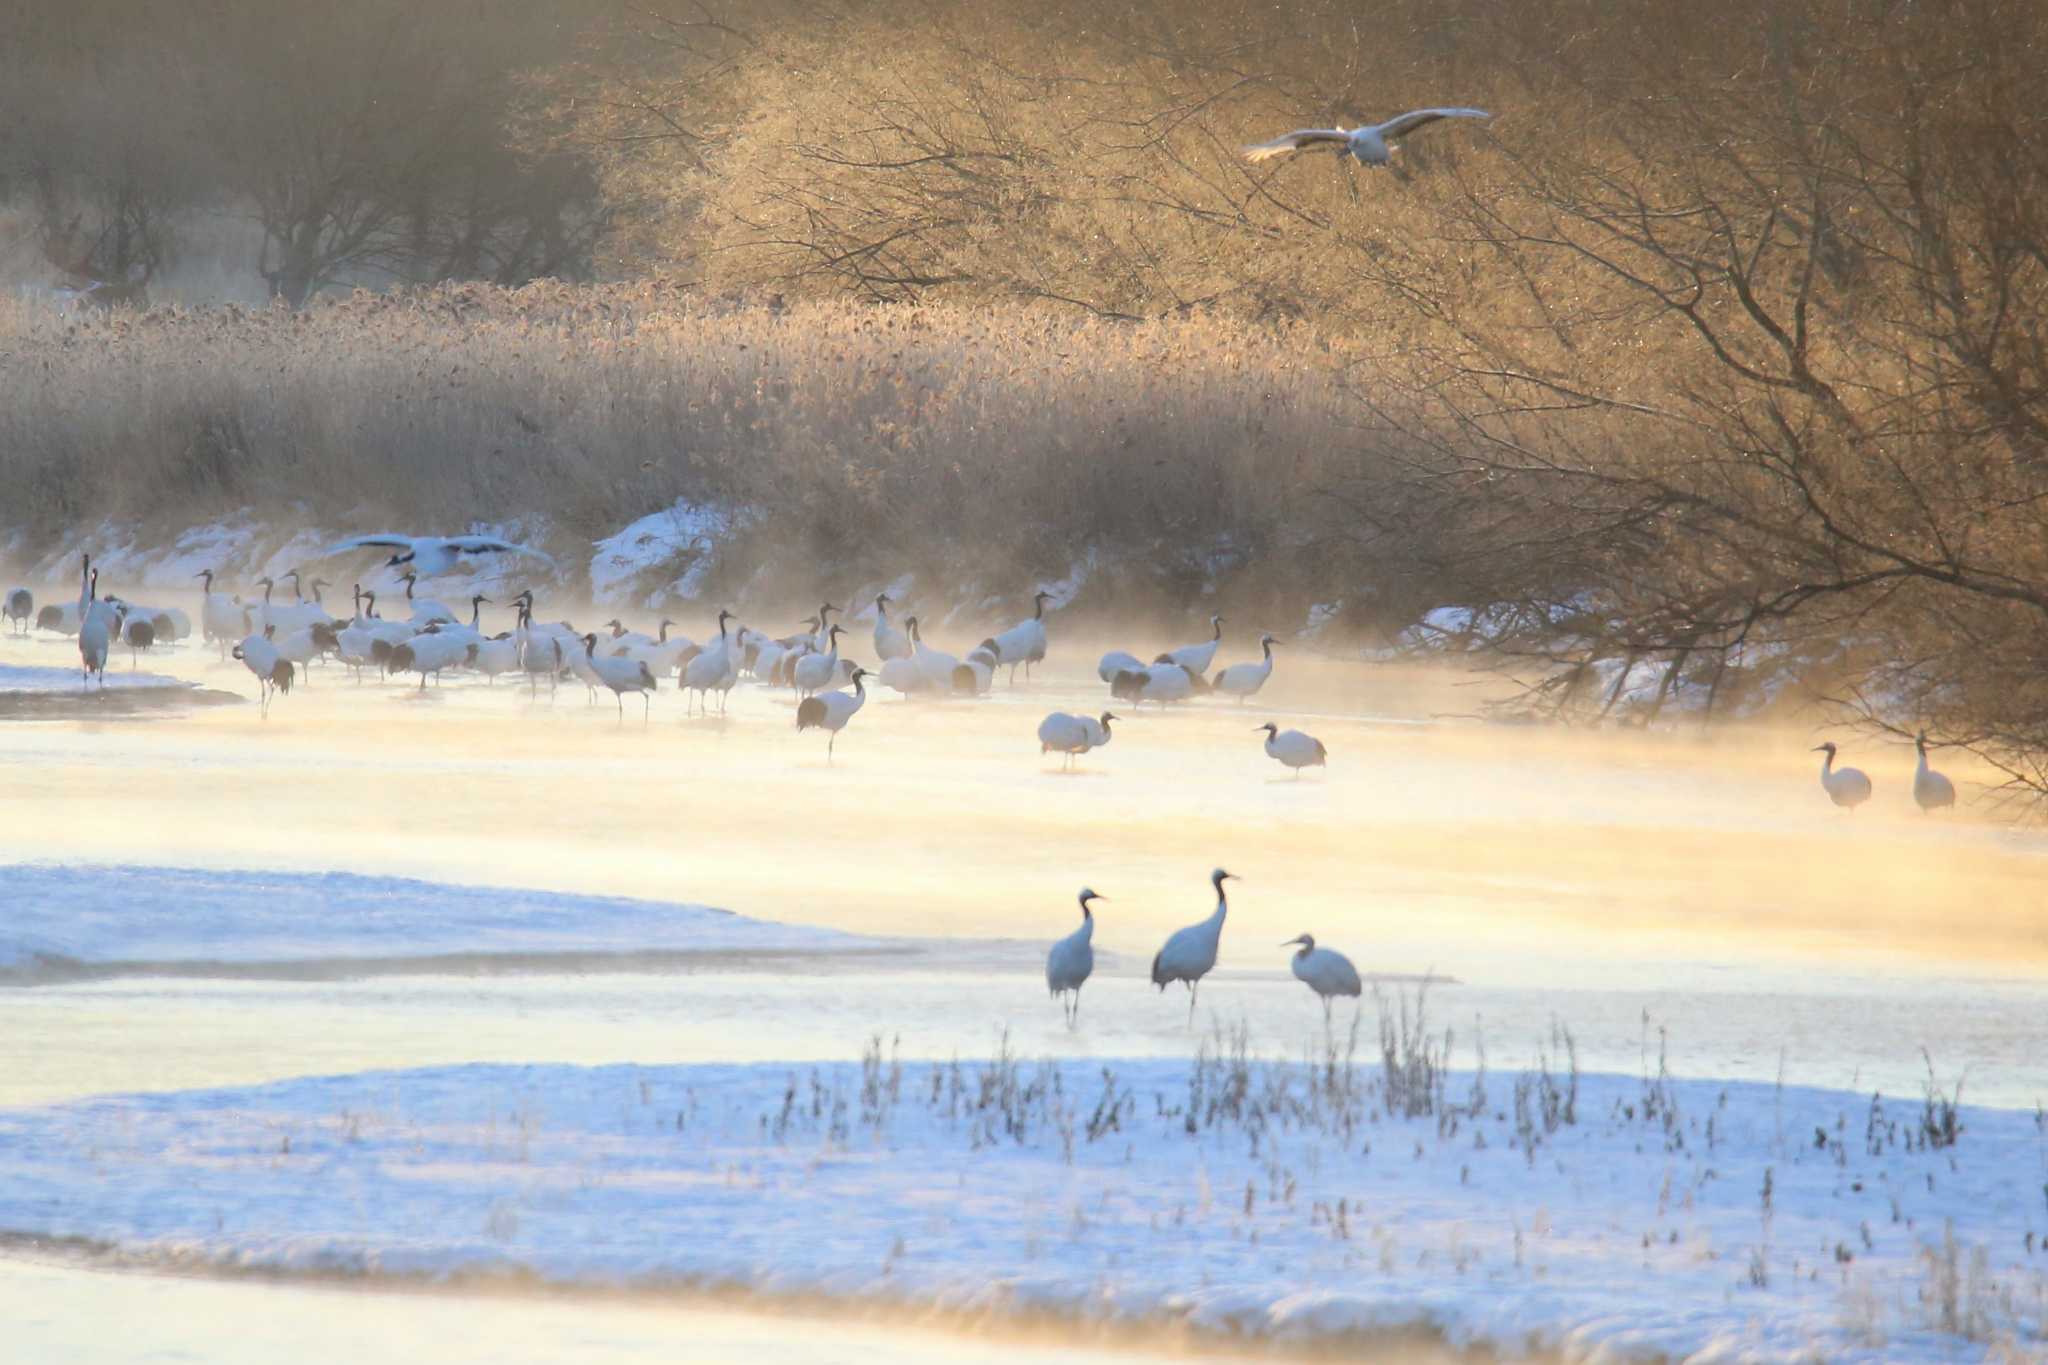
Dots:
pixel 1818 749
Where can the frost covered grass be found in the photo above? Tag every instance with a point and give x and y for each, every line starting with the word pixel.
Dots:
pixel 1305 1197
pixel 867 437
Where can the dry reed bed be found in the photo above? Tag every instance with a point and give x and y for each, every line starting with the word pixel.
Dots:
pixel 863 436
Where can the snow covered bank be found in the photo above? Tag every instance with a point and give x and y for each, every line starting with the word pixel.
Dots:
pixel 61 917
pixel 1602 1216
pixel 19 678
pixel 661 558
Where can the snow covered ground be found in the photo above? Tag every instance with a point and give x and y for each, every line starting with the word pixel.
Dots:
pixel 1605 1217
pixel 61 915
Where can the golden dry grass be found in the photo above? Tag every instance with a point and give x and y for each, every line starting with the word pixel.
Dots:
pixel 861 436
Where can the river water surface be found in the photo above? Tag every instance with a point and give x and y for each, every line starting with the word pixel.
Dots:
pixel 1694 893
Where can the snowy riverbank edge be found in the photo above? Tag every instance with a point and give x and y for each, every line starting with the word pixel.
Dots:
pixel 1618 1218
pixel 62 918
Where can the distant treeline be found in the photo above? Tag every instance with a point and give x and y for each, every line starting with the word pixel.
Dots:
pixel 372 142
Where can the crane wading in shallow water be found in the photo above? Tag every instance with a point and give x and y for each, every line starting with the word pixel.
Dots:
pixel 890 642
pixel 1931 790
pixel 1293 748
pixel 1846 787
pixel 274 673
pixel 21 606
pixel 1023 643
pixel 1325 971
pixel 1242 680
pixel 1191 952
pixel 830 711
pixel 1073 735
pixel 1071 960
pixel 93 626
pixel 621 676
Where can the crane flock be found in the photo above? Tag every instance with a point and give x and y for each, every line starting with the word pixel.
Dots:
pixel 276 640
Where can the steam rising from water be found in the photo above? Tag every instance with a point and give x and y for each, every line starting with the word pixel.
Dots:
pixel 1523 851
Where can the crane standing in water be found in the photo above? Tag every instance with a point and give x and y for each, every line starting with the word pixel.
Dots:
pixel 1846 787
pixel 1072 959
pixel 1325 971
pixel 1190 953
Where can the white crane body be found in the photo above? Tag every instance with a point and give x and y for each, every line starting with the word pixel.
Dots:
pixel 1931 790
pixel 1190 953
pixel 890 641
pixel 1370 144
pixel 830 711
pixel 432 556
pixel 1325 971
pixel 1072 961
pixel 1196 658
pixel 1294 749
pixel 1846 787
pixel 1244 680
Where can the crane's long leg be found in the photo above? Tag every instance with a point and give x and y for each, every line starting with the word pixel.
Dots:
pixel 1193 986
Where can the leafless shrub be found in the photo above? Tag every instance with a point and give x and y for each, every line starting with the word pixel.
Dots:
pixel 1412 1060
pixel 1940 1126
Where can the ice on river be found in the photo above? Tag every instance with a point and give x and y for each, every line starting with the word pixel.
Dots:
pixel 22 678
pixel 1604 1216
pixel 98 915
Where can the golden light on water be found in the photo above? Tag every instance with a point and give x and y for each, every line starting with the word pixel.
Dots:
pixel 1421 844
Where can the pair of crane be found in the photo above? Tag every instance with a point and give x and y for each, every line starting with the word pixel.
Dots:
pixel 1188 956
pixel 1851 787
pixel 1072 736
